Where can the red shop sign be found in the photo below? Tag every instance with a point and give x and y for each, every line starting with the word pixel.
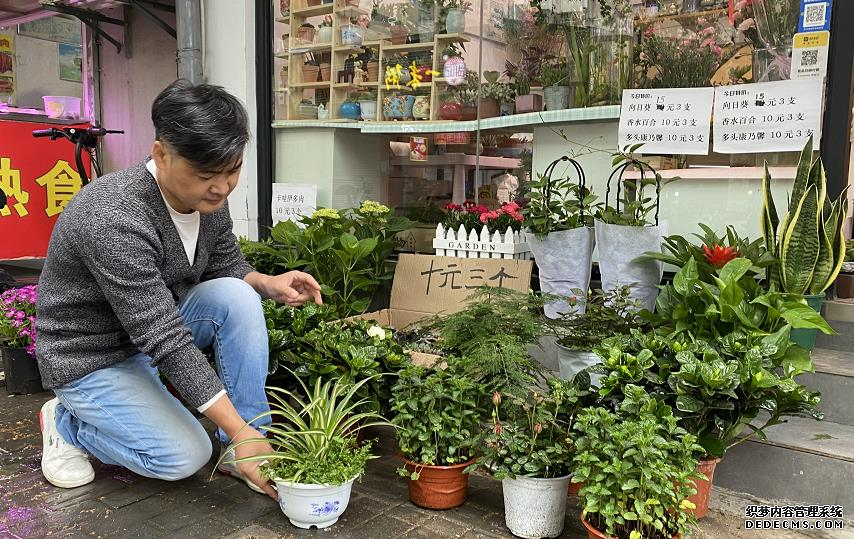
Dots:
pixel 39 178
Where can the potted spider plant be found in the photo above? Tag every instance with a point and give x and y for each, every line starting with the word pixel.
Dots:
pixel 316 456
pixel 437 413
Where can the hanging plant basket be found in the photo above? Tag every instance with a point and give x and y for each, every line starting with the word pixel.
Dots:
pixel 620 246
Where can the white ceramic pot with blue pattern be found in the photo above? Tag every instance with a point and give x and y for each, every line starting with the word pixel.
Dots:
pixel 317 506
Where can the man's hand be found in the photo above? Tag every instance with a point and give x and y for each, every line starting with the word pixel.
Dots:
pixel 250 469
pixel 293 288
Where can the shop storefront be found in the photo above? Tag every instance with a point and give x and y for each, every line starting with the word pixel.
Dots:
pixel 420 104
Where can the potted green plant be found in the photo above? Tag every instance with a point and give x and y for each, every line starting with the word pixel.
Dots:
pixel 437 413
pixel 606 313
pixel 469 95
pixel 525 101
pixel 556 85
pixel 845 279
pixel 631 227
pixel 809 242
pixel 559 218
pixel 637 467
pixel 454 12
pixel 315 457
pixel 493 95
pixel 364 237
pixel 307 343
pixel 368 106
pixel 18 340
pixel 450 108
pixel 529 449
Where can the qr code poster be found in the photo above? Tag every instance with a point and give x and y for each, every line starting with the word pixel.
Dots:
pixel 809 55
pixel 815 15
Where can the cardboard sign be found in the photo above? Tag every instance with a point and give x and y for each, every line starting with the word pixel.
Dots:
pixel 809 55
pixel 440 284
pixel 767 116
pixel 292 201
pixel 39 179
pixel 669 121
pixel 815 15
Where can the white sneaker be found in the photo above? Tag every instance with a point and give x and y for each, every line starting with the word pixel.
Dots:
pixel 230 468
pixel 63 465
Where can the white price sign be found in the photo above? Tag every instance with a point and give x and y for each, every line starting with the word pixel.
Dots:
pixel 668 121
pixel 292 201
pixel 767 116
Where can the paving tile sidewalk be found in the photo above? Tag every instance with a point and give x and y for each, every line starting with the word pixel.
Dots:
pixel 124 505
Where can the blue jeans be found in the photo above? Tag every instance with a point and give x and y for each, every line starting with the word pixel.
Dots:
pixel 125 416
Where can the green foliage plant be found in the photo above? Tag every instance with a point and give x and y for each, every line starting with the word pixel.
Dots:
pixel 607 313
pixel 306 344
pixel 530 435
pixel 345 250
pixel 637 466
pixel 437 413
pixel 809 242
pixel 562 204
pixel 633 206
pixel 313 434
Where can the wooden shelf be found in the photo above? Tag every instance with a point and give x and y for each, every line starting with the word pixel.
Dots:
pixel 283 54
pixel 409 47
pixel 451 38
pixel 351 11
pixel 313 11
pixel 398 87
pixel 443 80
pixel 348 48
pixel 283 19
pixel 305 85
pixel 318 47
pixel 352 86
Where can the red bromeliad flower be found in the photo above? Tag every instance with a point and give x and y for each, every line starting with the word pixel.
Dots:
pixel 719 256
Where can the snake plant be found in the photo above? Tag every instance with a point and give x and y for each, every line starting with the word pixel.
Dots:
pixel 809 243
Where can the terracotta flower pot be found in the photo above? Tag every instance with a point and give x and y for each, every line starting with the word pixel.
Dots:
pixel 469 113
pixel 593 533
pixel 704 488
pixel 306 34
pixel 489 108
pixel 373 69
pixel 311 3
pixel 451 111
pixel 325 72
pixel 310 72
pixel 574 488
pixel 438 487
pixel 529 103
pixel 399 33
pixel 845 286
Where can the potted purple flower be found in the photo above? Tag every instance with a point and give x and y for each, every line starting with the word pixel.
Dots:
pixel 18 340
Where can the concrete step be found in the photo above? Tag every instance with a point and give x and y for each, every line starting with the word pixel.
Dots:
pixel 834 379
pixel 840 315
pixel 805 461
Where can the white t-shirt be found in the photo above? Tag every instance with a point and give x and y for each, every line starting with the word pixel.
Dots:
pixel 187 224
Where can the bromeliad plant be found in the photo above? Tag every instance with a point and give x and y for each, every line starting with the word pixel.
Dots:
pixel 313 434
pixel 345 250
pixel 18 318
pixel 438 413
pixel 809 242
pixel 306 344
pixel 636 466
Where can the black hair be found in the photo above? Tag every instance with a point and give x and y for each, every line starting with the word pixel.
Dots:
pixel 202 123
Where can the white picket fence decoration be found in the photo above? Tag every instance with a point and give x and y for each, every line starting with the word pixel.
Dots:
pixel 465 244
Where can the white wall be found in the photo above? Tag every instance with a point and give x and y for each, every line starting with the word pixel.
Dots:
pixel 229 52
pixel 128 86
pixel 37 72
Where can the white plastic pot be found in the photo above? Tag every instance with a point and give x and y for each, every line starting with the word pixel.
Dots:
pixel 534 507
pixel 317 506
pixel 571 362
pixel 369 110
pixel 323 35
